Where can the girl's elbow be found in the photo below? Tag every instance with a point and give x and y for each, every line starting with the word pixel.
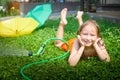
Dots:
pixel 106 60
pixel 71 64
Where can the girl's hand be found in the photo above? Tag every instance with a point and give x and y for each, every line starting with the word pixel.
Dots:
pixel 80 41
pixel 99 42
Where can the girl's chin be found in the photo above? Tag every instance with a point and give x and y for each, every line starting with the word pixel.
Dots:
pixel 88 45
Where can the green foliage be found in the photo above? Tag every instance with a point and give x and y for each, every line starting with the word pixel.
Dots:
pixel 4 13
pixel 4 9
pixel 4 2
pixel 91 69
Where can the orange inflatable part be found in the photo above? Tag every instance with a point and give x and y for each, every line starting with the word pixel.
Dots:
pixel 70 42
pixel 64 47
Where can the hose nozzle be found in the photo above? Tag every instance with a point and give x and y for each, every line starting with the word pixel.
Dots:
pixel 40 51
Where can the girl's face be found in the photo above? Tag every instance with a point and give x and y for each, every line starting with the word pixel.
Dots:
pixel 88 35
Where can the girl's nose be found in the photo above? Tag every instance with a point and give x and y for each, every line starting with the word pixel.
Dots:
pixel 89 37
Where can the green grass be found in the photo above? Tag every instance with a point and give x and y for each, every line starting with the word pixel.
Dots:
pixel 91 69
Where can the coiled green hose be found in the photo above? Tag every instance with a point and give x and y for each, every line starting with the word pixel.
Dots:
pixel 43 61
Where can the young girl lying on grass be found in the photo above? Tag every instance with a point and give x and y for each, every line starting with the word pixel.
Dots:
pixel 88 42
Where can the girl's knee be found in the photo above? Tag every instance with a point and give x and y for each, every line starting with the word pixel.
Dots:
pixel 58 44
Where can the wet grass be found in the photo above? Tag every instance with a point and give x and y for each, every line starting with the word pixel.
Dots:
pixel 91 69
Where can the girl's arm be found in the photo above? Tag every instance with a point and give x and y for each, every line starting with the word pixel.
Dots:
pixel 101 50
pixel 76 53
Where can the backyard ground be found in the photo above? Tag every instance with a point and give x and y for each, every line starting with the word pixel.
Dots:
pixel 91 69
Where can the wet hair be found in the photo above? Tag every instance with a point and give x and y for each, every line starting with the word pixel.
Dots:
pixel 94 23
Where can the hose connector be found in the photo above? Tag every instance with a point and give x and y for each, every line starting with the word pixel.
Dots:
pixel 41 49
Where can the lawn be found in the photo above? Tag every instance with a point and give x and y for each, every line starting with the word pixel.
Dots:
pixel 91 69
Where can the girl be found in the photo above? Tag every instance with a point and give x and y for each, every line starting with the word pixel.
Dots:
pixel 88 42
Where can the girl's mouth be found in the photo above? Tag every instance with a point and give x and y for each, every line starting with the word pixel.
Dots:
pixel 88 42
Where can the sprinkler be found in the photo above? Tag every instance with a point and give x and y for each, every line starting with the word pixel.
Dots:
pixel 41 49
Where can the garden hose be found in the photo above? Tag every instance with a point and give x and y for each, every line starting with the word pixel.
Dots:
pixel 40 51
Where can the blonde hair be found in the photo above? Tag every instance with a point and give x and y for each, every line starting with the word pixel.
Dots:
pixel 94 23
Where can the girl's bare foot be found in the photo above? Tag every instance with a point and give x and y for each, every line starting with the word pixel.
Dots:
pixel 79 15
pixel 63 16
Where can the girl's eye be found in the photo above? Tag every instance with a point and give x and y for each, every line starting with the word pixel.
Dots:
pixel 84 33
pixel 92 34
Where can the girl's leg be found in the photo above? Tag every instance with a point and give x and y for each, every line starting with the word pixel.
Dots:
pixel 62 24
pixel 79 17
